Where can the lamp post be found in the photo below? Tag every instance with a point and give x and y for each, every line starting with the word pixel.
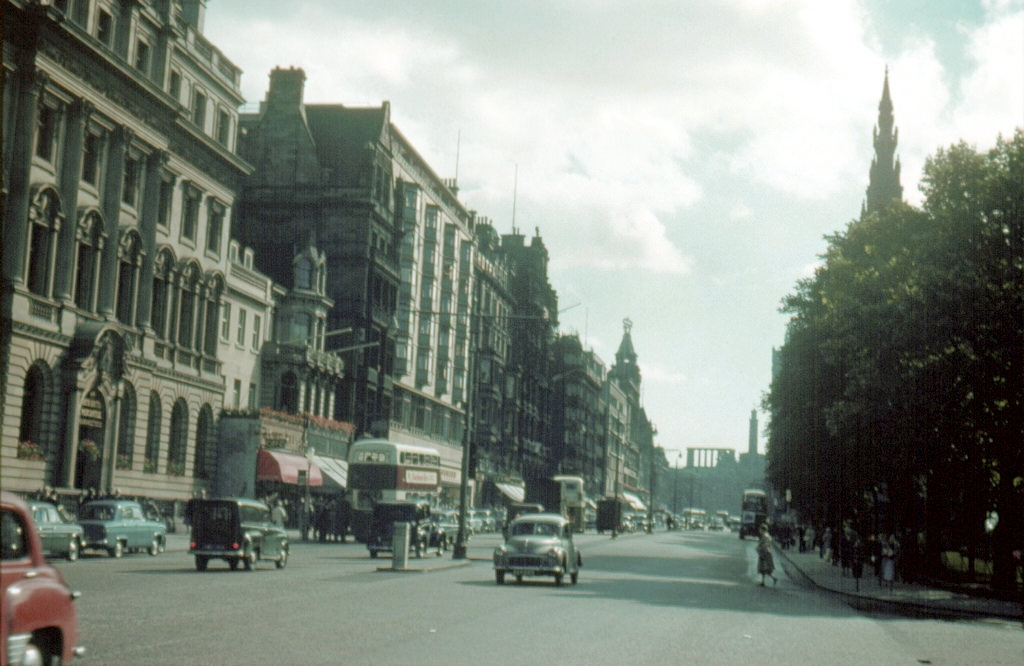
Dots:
pixel 308 509
pixel 675 485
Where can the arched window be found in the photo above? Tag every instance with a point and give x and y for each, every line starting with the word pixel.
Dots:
pixel 153 434
pixel 32 406
pixel 44 221
pixel 289 392
pixel 189 299
pixel 204 443
pixel 89 243
pixel 126 429
pixel 179 439
pixel 129 262
pixel 163 269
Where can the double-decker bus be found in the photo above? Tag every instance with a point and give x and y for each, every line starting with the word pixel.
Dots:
pixel 384 470
pixel 755 511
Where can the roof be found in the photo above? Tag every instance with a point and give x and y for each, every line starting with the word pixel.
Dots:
pixel 540 518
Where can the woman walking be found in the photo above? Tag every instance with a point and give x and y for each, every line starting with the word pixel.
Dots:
pixel 765 561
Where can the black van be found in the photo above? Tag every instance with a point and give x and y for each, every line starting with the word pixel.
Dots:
pixel 235 530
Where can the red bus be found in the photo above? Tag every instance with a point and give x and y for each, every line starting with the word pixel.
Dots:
pixel 384 470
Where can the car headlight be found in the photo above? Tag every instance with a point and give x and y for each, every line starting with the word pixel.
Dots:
pixel 554 556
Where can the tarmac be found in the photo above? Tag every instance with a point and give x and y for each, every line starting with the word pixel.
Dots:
pixel 915 599
pixel 868 593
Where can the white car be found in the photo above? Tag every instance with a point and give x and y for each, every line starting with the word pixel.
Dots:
pixel 539 544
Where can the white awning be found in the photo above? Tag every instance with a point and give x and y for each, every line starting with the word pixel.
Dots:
pixel 634 501
pixel 514 493
pixel 335 469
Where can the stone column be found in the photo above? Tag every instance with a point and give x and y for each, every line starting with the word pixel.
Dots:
pixel 71 435
pixel 120 139
pixel 70 175
pixel 147 227
pixel 29 86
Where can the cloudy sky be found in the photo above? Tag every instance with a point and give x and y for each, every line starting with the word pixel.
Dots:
pixel 682 159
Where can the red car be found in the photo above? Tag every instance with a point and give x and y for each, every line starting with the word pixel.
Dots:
pixel 38 624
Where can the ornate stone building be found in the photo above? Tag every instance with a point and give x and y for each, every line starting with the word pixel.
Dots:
pixel 119 174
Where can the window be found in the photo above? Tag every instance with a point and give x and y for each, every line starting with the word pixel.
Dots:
pixel 90 158
pixel 130 186
pixel 225 322
pixel 205 442
pixel 252 395
pixel 214 227
pixel 43 219
pixel 187 306
pixel 190 213
pixel 129 265
pixel 240 339
pixel 236 394
pixel 161 291
pixel 126 429
pixel 105 27
pixel 87 240
pixel 142 56
pixel 257 332
pixel 46 132
pixel 199 109
pixel 223 127
pixel 163 215
pixel 178 439
pixel 175 86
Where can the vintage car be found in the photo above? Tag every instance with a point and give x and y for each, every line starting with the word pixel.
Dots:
pixel 539 544
pixel 38 622
pixel 424 536
pixel 236 530
pixel 61 537
pixel 119 527
pixel 446 523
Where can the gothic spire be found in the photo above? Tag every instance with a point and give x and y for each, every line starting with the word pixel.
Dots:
pixel 884 176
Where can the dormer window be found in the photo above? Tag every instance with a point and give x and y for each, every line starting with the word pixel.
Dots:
pixel 303 273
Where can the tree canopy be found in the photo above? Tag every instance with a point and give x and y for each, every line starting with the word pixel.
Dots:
pixel 900 391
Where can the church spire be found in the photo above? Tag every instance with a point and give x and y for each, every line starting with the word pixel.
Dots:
pixel 884 177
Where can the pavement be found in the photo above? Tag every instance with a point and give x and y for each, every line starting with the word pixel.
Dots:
pixel 905 598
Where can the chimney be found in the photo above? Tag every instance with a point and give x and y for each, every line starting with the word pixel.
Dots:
pixel 286 87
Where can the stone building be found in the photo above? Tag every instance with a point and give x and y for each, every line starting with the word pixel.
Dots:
pixel 120 174
pixel 578 412
pixel 399 256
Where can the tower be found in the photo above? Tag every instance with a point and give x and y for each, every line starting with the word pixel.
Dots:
pixel 884 176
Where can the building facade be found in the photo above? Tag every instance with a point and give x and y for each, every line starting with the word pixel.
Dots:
pixel 120 174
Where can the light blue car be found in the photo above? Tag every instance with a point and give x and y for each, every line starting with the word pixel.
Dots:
pixel 119 527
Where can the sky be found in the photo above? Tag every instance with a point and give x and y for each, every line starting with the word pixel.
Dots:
pixel 682 160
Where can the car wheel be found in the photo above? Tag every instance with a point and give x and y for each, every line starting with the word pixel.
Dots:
pixel 73 550
pixel 250 560
pixel 201 563
pixel 283 560
pixel 499 576
pixel 117 550
pixel 154 547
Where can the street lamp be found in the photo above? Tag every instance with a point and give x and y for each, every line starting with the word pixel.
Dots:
pixel 675 486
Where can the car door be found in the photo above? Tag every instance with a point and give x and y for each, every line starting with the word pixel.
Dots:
pixel 135 527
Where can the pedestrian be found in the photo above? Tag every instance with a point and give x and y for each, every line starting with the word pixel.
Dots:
pixel 889 547
pixel 278 515
pixel 856 557
pixel 765 560
pixel 826 545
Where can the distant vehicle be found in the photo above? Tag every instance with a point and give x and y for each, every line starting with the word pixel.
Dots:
pixel 39 624
pixel 119 527
pixel 517 509
pixel 424 534
pixel 60 537
pixel 236 530
pixel 539 544
pixel 755 512
pixel 382 470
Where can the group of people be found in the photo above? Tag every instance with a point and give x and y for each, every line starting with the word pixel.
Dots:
pixel 847 549
pixel 321 519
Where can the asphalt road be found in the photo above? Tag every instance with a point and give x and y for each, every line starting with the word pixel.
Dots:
pixel 666 598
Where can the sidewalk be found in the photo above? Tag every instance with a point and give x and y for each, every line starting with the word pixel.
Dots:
pixel 905 598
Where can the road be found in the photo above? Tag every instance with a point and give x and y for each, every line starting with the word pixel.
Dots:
pixel 666 598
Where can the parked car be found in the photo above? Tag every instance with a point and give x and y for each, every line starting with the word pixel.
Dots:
pixel 539 544
pixel 446 523
pixel 235 530
pixel 119 527
pixel 38 624
pixel 425 534
pixel 60 536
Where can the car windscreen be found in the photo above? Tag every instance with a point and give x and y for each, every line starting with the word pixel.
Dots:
pixel 539 529
pixel 96 512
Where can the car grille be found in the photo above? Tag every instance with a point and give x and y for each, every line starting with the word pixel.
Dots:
pixel 94 532
pixel 521 561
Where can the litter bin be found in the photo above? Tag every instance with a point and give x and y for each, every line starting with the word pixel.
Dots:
pixel 400 545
